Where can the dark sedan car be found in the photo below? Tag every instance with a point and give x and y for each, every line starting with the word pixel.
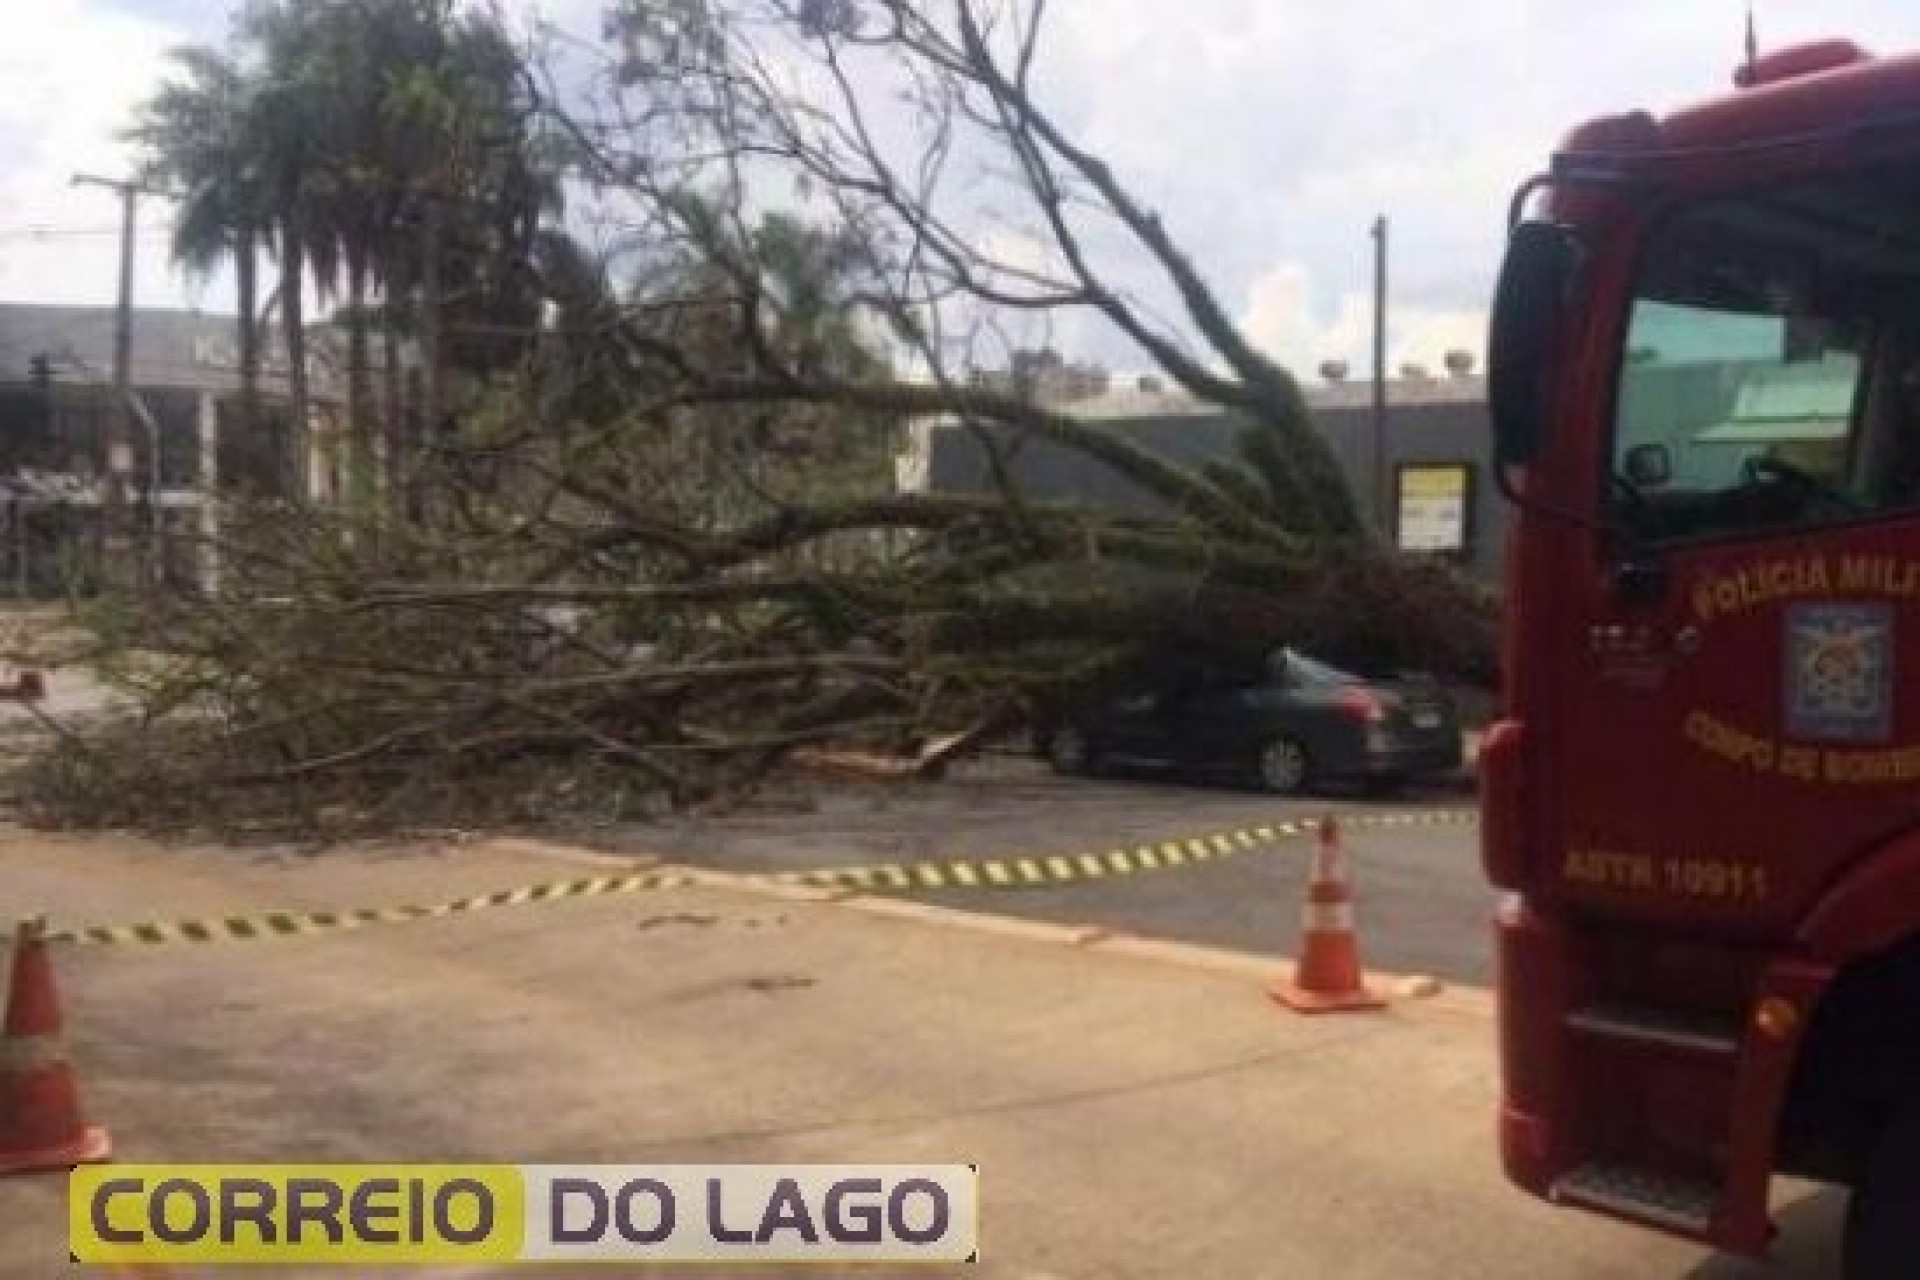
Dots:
pixel 1303 723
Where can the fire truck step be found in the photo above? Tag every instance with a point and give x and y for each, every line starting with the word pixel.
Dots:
pixel 1672 1028
pixel 1659 1199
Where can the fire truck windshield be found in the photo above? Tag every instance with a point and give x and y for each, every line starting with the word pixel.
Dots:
pixel 1770 368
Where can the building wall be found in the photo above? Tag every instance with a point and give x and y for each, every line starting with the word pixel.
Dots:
pixel 186 444
pixel 1425 433
pixel 1430 422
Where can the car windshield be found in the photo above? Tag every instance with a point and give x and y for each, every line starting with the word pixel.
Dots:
pixel 1305 670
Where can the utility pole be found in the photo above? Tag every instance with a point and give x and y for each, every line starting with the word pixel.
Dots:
pixel 1382 500
pixel 120 567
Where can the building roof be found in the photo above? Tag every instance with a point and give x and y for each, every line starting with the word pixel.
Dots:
pixel 1132 402
pixel 186 350
pixel 1451 389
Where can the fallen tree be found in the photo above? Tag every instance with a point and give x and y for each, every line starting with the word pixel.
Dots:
pixel 666 556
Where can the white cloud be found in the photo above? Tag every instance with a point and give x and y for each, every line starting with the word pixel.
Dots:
pixel 1426 337
pixel 1268 133
pixel 1282 320
pixel 74 73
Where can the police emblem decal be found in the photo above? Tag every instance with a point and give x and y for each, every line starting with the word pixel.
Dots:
pixel 1839 677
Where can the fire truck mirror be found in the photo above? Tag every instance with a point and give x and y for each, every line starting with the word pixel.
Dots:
pixel 1529 303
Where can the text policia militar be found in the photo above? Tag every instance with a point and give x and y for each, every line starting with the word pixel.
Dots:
pixel 361 1214
pixel 1747 587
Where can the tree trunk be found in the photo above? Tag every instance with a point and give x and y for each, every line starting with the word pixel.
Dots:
pixel 293 318
pixel 433 388
pixel 394 419
pixel 429 437
pixel 366 467
pixel 247 282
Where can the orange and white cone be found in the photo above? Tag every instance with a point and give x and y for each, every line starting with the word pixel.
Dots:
pixel 40 1124
pixel 1328 978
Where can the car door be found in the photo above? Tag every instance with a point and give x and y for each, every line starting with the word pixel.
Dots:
pixel 1303 702
pixel 1214 723
pixel 1134 727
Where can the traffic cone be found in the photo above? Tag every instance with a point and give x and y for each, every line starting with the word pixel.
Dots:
pixel 40 1124
pixel 1328 978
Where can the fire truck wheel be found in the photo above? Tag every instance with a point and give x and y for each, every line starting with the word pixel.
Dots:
pixel 1883 1232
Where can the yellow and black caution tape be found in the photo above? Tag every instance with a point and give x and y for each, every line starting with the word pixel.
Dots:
pixel 1416 818
pixel 295 924
pixel 1041 871
pixel 1032 872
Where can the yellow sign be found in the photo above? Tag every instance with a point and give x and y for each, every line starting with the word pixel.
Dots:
pixel 344 1214
pixel 1434 506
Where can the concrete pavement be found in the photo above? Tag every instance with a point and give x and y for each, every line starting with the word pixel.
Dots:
pixel 1136 1110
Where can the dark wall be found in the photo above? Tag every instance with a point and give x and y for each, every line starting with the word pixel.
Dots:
pixel 1445 432
pixel 1441 432
pixel 61 430
pixel 1045 471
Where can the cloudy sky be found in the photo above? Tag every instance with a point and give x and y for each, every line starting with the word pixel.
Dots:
pixel 1268 132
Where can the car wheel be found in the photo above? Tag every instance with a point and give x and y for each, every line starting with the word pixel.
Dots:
pixel 1069 752
pixel 1283 767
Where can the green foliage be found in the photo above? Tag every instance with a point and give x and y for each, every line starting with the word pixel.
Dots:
pixel 333 134
pixel 662 548
pixel 656 37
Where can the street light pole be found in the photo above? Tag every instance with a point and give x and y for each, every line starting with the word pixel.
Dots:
pixel 1381 498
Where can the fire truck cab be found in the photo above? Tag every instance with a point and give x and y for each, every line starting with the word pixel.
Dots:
pixel 1703 800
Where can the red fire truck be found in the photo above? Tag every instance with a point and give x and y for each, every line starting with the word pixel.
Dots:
pixel 1703 803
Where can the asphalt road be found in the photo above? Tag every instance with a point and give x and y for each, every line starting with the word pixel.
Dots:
pixel 1423 905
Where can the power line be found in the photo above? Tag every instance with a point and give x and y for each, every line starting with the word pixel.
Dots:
pixel 52 231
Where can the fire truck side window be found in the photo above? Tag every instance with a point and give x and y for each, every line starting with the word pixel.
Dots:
pixel 1770 372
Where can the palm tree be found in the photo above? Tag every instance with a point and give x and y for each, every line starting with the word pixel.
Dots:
pixel 424 146
pixel 812 276
pixel 334 138
pixel 351 57
pixel 288 122
pixel 195 133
